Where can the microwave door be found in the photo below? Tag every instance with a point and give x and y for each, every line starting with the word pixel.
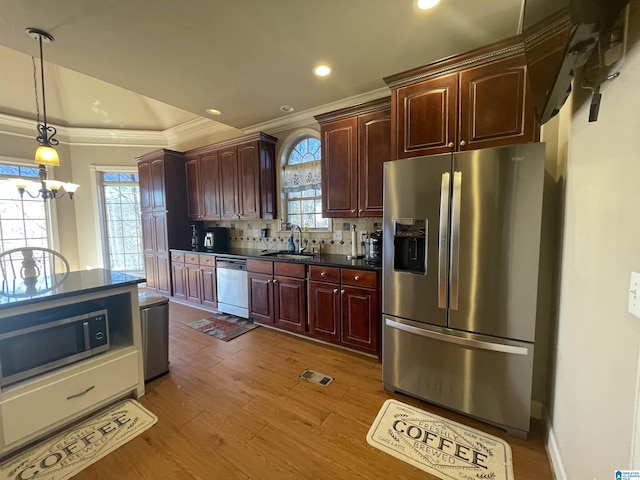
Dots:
pixel 415 227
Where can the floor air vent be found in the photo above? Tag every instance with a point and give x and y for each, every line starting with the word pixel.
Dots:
pixel 316 377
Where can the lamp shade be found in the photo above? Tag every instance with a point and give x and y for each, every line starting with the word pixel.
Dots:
pixel 46 155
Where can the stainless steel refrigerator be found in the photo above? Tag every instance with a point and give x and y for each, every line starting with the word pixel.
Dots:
pixel 460 279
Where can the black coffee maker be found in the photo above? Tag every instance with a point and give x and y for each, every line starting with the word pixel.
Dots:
pixel 197 236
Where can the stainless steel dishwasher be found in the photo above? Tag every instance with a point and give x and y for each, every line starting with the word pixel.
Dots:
pixel 233 289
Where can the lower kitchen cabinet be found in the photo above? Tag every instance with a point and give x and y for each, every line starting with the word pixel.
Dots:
pixel 344 307
pixel 194 278
pixel 277 294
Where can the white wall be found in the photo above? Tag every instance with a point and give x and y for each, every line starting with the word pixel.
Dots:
pixel 594 393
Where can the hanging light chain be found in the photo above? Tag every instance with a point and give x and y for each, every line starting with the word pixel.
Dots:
pixel 35 87
pixel 46 132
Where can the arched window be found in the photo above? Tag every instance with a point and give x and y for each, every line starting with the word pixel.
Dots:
pixel 301 183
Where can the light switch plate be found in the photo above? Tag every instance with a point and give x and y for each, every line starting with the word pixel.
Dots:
pixel 634 294
pixel 337 235
pixel 256 233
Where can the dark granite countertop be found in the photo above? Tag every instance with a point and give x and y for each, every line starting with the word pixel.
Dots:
pixel 321 259
pixel 16 293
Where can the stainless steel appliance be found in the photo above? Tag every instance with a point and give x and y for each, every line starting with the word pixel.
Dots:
pixel 154 320
pixel 460 272
pixel 216 239
pixel 373 248
pixel 232 283
pixel 50 342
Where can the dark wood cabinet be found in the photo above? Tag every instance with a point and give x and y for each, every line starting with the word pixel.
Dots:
pixel 233 180
pixel 164 216
pixel 277 294
pixel 426 117
pixel 194 278
pixel 324 302
pixel 203 185
pixel 476 100
pixel 356 142
pixel 360 317
pixel 229 193
pixel 344 307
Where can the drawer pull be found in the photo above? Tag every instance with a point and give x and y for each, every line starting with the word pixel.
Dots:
pixel 81 393
pixel 357 277
pixel 323 274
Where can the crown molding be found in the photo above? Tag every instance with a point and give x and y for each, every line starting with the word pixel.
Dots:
pixel 306 117
pixel 192 130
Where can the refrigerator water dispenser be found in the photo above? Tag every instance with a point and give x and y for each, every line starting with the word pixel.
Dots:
pixel 410 245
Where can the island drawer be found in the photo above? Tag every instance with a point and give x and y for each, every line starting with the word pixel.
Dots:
pixel 37 410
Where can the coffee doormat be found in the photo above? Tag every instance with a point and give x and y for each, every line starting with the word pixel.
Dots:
pixel 223 326
pixel 440 447
pixel 74 449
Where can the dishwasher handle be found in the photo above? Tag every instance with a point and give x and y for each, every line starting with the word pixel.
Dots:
pixel 231 263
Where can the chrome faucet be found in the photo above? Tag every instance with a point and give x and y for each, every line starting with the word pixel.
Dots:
pixel 300 247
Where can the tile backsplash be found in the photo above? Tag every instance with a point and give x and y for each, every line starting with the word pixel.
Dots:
pixel 242 235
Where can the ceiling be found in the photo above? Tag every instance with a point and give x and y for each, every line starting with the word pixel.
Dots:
pixel 155 65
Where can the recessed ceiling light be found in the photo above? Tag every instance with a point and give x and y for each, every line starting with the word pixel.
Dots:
pixel 322 70
pixel 426 4
pixel 213 111
pixel 287 108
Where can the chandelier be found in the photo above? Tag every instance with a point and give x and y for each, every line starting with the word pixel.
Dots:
pixel 46 154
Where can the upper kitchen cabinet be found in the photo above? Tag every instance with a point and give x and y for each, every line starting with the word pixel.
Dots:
pixel 233 180
pixel 476 100
pixel 165 223
pixel 203 184
pixel 355 141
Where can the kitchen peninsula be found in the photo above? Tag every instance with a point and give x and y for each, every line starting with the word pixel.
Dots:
pixel 33 407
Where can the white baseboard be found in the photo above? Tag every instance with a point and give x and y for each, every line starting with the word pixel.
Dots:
pixel 554 453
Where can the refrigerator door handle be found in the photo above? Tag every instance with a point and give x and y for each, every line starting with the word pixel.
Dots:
pixel 443 244
pixel 455 239
pixel 465 342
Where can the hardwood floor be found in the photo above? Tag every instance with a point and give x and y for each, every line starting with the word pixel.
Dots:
pixel 237 410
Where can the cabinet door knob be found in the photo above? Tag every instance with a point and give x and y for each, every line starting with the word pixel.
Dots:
pixel 450 145
pixel 275 280
pixel 335 290
pixel 462 143
pixel 323 274
pixel 353 211
pixel 357 277
pixel 360 211
pixel 342 292
pixel 269 281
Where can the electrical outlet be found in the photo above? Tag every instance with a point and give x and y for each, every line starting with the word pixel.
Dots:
pixel 337 235
pixel 634 294
pixel 256 233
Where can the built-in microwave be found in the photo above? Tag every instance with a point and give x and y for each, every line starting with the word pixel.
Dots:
pixel 30 351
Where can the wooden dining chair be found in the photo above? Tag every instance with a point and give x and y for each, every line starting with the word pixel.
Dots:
pixel 28 271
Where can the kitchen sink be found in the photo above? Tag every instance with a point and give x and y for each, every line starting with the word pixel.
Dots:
pixel 289 256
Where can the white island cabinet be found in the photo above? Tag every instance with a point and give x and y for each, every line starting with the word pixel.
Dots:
pixel 34 407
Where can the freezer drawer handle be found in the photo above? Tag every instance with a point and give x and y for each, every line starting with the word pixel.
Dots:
pixel 466 342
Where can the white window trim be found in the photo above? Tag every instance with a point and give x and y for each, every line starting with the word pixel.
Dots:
pixel 288 142
pixel 96 198
pixel 52 213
